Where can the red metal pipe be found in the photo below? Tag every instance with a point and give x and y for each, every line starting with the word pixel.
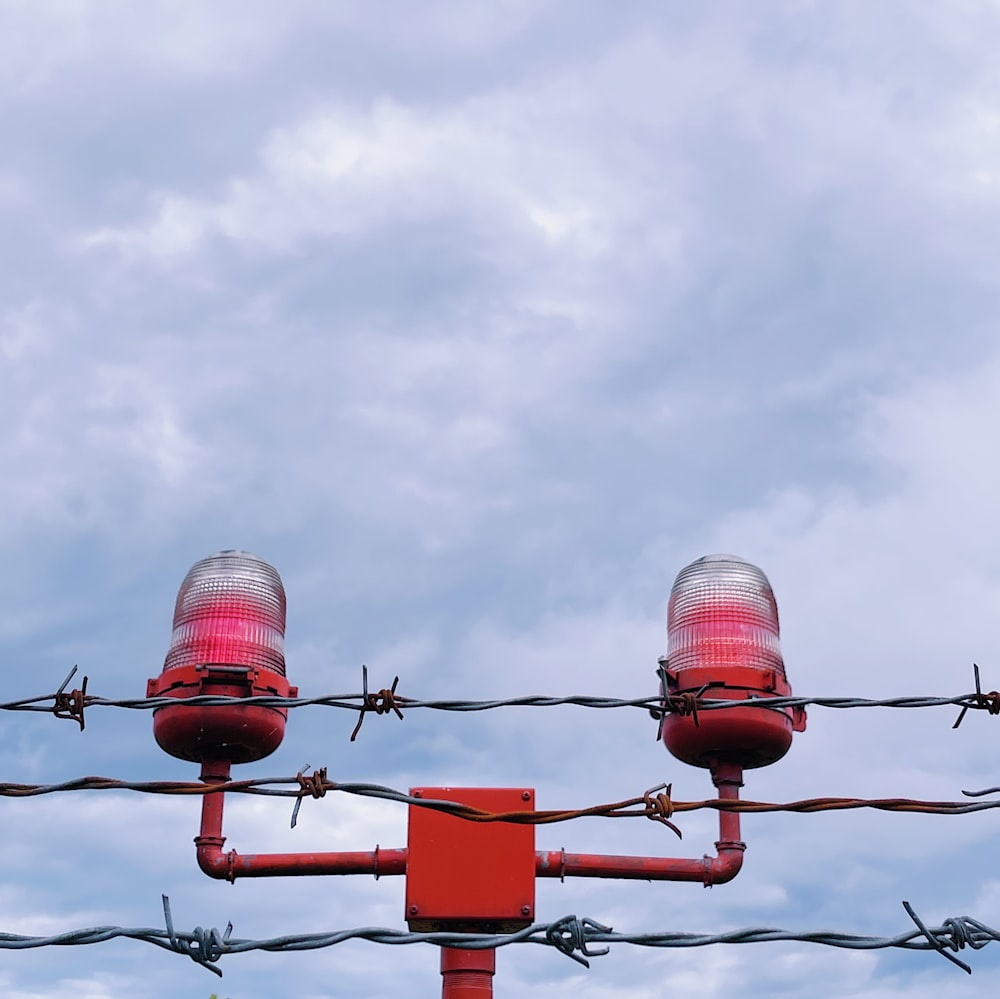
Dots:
pixel 467 974
pixel 716 870
pixel 231 865
pixel 217 863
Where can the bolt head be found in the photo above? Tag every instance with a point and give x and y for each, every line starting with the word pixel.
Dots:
pixel 525 910
pixel 413 910
pixel 526 796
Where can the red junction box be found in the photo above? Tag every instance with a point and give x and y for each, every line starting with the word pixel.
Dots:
pixel 499 895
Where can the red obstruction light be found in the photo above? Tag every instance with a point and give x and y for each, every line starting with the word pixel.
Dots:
pixel 722 643
pixel 228 639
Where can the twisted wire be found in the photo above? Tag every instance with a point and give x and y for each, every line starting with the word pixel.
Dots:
pixel 73 704
pixel 655 803
pixel 575 937
pixel 355 702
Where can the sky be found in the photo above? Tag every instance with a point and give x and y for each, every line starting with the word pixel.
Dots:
pixel 479 322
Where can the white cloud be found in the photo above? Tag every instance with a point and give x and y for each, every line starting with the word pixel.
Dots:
pixel 341 171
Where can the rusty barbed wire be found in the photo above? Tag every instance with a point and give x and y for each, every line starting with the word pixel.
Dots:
pixel 261 786
pixel 575 937
pixel 656 803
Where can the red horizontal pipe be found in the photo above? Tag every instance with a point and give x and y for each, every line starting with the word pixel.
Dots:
pixel 232 865
pixel 217 863
pixel 709 870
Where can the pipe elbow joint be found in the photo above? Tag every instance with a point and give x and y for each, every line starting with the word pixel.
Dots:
pixel 211 859
pixel 724 867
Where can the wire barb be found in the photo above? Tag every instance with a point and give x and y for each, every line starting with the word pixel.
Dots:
pixel 381 703
pixel 956 941
pixel 314 784
pixel 65 683
pixel 661 807
pixel 569 935
pixel 686 704
pixel 71 705
pixel 204 947
pixel 989 702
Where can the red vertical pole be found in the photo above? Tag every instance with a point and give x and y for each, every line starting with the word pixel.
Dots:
pixel 467 974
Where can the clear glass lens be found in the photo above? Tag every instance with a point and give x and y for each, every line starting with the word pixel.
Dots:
pixel 722 613
pixel 230 609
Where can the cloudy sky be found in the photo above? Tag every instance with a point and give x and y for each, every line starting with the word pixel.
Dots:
pixel 479 322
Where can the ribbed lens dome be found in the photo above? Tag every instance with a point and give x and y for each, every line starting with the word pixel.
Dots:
pixel 230 610
pixel 722 613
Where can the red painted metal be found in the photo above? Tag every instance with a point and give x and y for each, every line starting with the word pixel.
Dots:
pixel 496 891
pixel 461 874
pixel 467 974
pixel 716 870
pixel 470 876
pixel 230 865
pixel 241 733
pixel 455 858
pixel 752 737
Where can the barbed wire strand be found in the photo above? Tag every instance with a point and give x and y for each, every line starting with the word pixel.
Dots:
pixel 572 936
pixel 387 701
pixel 347 701
pixel 655 803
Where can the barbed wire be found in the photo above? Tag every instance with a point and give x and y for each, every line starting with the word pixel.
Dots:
pixel 577 938
pixel 656 803
pixel 651 703
pixel 72 705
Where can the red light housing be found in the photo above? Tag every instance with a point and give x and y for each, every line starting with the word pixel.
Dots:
pixel 228 639
pixel 723 643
